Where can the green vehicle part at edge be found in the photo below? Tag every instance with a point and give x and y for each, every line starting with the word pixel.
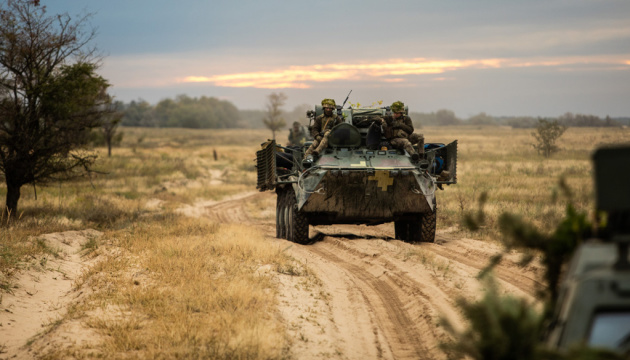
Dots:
pixel 350 183
pixel 593 307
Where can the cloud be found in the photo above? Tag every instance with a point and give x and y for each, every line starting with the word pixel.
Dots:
pixel 304 76
pixel 388 71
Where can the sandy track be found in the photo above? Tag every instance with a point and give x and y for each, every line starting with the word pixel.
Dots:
pixel 365 295
pixel 43 290
pixel 383 298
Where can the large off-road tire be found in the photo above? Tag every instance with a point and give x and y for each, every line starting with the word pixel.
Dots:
pixel 420 229
pixel 428 223
pixel 280 207
pixel 297 221
pixel 287 216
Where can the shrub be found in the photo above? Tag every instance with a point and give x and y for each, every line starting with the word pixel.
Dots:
pixel 547 132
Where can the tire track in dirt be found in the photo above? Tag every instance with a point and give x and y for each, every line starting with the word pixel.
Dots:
pixel 507 270
pixel 385 300
pixel 231 210
pixel 413 279
pixel 474 254
pixel 382 304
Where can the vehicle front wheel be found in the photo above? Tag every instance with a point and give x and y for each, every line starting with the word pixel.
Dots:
pixel 428 223
pixel 297 221
pixel 280 225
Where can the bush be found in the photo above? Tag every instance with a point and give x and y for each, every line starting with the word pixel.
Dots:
pixel 546 135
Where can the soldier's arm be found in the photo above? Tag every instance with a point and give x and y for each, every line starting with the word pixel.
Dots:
pixel 406 125
pixel 386 120
pixel 316 128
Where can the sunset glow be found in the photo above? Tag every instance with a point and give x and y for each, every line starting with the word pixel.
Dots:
pixel 390 71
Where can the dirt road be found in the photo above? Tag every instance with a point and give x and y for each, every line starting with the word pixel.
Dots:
pixel 356 292
pixel 375 297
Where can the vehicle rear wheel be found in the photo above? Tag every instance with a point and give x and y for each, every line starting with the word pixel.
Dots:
pixel 297 222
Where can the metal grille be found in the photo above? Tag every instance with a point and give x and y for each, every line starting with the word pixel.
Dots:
pixel 451 160
pixel 266 166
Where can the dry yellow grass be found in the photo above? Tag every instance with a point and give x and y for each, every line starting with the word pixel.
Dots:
pixel 503 163
pixel 172 286
pixel 167 285
pixel 185 288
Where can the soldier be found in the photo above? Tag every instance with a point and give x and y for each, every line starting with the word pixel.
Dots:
pixel 321 128
pixel 297 135
pixel 398 130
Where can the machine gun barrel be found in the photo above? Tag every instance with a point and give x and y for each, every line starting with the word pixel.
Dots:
pixel 347 97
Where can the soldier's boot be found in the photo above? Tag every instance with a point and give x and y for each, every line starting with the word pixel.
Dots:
pixel 414 154
pixel 444 175
pixel 311 148
pixel 307 162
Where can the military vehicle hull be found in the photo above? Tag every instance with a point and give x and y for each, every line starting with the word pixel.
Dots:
pixel 352 184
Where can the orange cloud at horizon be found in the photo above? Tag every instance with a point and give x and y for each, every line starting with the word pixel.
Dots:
pixel 389 71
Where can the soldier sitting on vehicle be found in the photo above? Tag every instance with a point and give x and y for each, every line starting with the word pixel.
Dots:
pixel 398 130
pixel 321 128
pixel 297 135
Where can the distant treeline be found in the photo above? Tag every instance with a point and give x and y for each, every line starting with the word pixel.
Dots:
pixel 447 117
pixel 183 111
pixel 197 113
pixel 212 113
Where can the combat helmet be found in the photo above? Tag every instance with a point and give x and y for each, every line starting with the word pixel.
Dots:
pixel 398 106
pixel 328 103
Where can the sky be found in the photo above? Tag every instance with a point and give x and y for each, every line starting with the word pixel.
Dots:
pixel 504 58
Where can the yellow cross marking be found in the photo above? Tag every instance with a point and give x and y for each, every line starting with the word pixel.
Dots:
pixel 383 179
pixel 361 163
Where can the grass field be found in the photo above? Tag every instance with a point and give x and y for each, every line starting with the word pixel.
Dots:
pixel 192 285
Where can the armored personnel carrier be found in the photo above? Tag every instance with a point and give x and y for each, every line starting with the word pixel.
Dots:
pixel 354 182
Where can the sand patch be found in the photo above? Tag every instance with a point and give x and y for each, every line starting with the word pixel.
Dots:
pixel 43 290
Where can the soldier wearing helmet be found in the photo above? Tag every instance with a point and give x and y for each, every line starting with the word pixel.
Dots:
pixel 297 135
pixel 398 130
pixel 321 128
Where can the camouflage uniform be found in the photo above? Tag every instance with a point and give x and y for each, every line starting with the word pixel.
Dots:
pixel 321 130
pixel 399 132
pixel 417 140
pixel 297 139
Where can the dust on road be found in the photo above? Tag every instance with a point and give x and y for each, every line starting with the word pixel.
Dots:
pixel 383 298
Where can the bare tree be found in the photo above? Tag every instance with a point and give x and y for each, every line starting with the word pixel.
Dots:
pixel 273 119
pixel 50 96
